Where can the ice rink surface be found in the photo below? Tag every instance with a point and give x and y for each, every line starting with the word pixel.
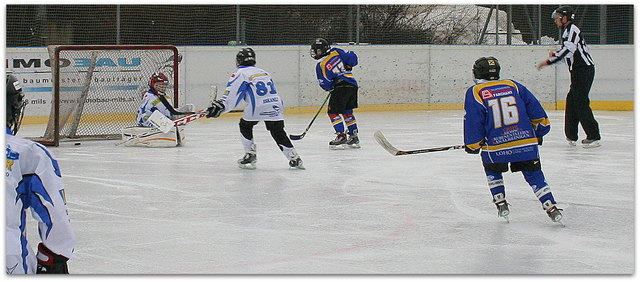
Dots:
pixel 191 210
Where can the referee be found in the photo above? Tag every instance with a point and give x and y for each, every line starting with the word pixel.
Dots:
pixel 581 66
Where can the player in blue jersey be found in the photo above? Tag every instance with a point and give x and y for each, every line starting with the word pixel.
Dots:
pixel 33 182
pixel 255 87
pixel 333 71
pixel 505 121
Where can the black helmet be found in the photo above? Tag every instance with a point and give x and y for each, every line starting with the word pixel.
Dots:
pixel 486 68
pixel 246 57
pixel 15 103
pixel 563 11
pixel 319 48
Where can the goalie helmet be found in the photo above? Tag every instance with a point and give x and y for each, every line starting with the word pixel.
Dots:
pixel 486 68
pixel 158 83
pixel 563 11
pixel 319 48
pixel 15 103
pixel 246 57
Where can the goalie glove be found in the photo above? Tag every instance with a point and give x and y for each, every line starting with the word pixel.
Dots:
pixel 49 262
pixel 217 107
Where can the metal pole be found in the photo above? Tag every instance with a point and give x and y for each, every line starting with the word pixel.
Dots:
pixel 357 24
pixel 497 34
pixel 117 24
pixel 509 20
pixel 603 24
pixel 484 29
pixel 350 23
pixel 237 24
pixel 539 24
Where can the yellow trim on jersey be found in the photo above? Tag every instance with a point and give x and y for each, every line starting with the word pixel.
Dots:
pixel 475 146
pixel 256 75
pixel 477 88
pixel 326 60
pixel 155 102
pixel 543 121
pixel 509 145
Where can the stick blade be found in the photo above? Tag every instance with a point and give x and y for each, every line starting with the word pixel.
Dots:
pixel 296 137
pixel 379 137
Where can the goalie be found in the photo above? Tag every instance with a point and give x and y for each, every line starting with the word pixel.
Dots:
pixel 155 99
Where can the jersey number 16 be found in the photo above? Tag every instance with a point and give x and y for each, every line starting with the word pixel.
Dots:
pixel 505 111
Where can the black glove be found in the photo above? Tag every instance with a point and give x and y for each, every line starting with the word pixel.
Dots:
pixel 540 140
pixel 49 262
pixel 471 151
pixel 217 107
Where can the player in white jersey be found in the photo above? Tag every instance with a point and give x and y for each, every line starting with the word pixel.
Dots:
pixel 255 86
pixel 33 182
pixel 153 100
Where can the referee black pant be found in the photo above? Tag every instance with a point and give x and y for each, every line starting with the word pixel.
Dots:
pixel 577 109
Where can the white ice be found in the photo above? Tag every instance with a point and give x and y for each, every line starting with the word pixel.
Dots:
pixel 191 210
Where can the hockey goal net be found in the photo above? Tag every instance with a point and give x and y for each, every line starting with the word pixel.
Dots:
pixel 97 89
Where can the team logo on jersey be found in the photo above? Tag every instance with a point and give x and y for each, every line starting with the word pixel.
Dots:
pixel 332 63
pixel 12 156
pixel 486 94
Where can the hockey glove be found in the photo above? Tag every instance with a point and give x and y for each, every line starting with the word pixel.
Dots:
pixel 539 140
pixel 217 107
pixel 49 262
pixel 471 151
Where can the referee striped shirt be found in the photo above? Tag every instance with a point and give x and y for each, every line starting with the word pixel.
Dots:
pixel 574 50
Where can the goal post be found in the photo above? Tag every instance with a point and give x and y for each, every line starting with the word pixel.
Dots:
pixel 97 89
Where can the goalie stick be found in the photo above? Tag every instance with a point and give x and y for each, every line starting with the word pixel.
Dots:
pixel 298 137
pixel 394 151
pixel 164 124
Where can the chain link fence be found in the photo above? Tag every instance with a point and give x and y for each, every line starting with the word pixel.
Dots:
pixel 41 25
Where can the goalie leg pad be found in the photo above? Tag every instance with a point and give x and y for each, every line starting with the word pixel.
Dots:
pixel 152 137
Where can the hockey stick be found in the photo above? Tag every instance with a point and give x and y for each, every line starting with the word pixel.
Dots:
pixel 298 137
pixel 164 124
pixel 392 150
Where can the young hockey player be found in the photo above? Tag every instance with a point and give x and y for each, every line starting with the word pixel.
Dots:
pixel 153 100
pixel 256 88
pixel 33 182
pixel 333 71
pixel 506 121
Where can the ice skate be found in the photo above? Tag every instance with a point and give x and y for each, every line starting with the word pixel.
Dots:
pixel 339 142
pixel 555 215
pixel 248 161
pixel 353 141
pixel 503 209
pixel 571 142
pixel 296 163
pixel 589 143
